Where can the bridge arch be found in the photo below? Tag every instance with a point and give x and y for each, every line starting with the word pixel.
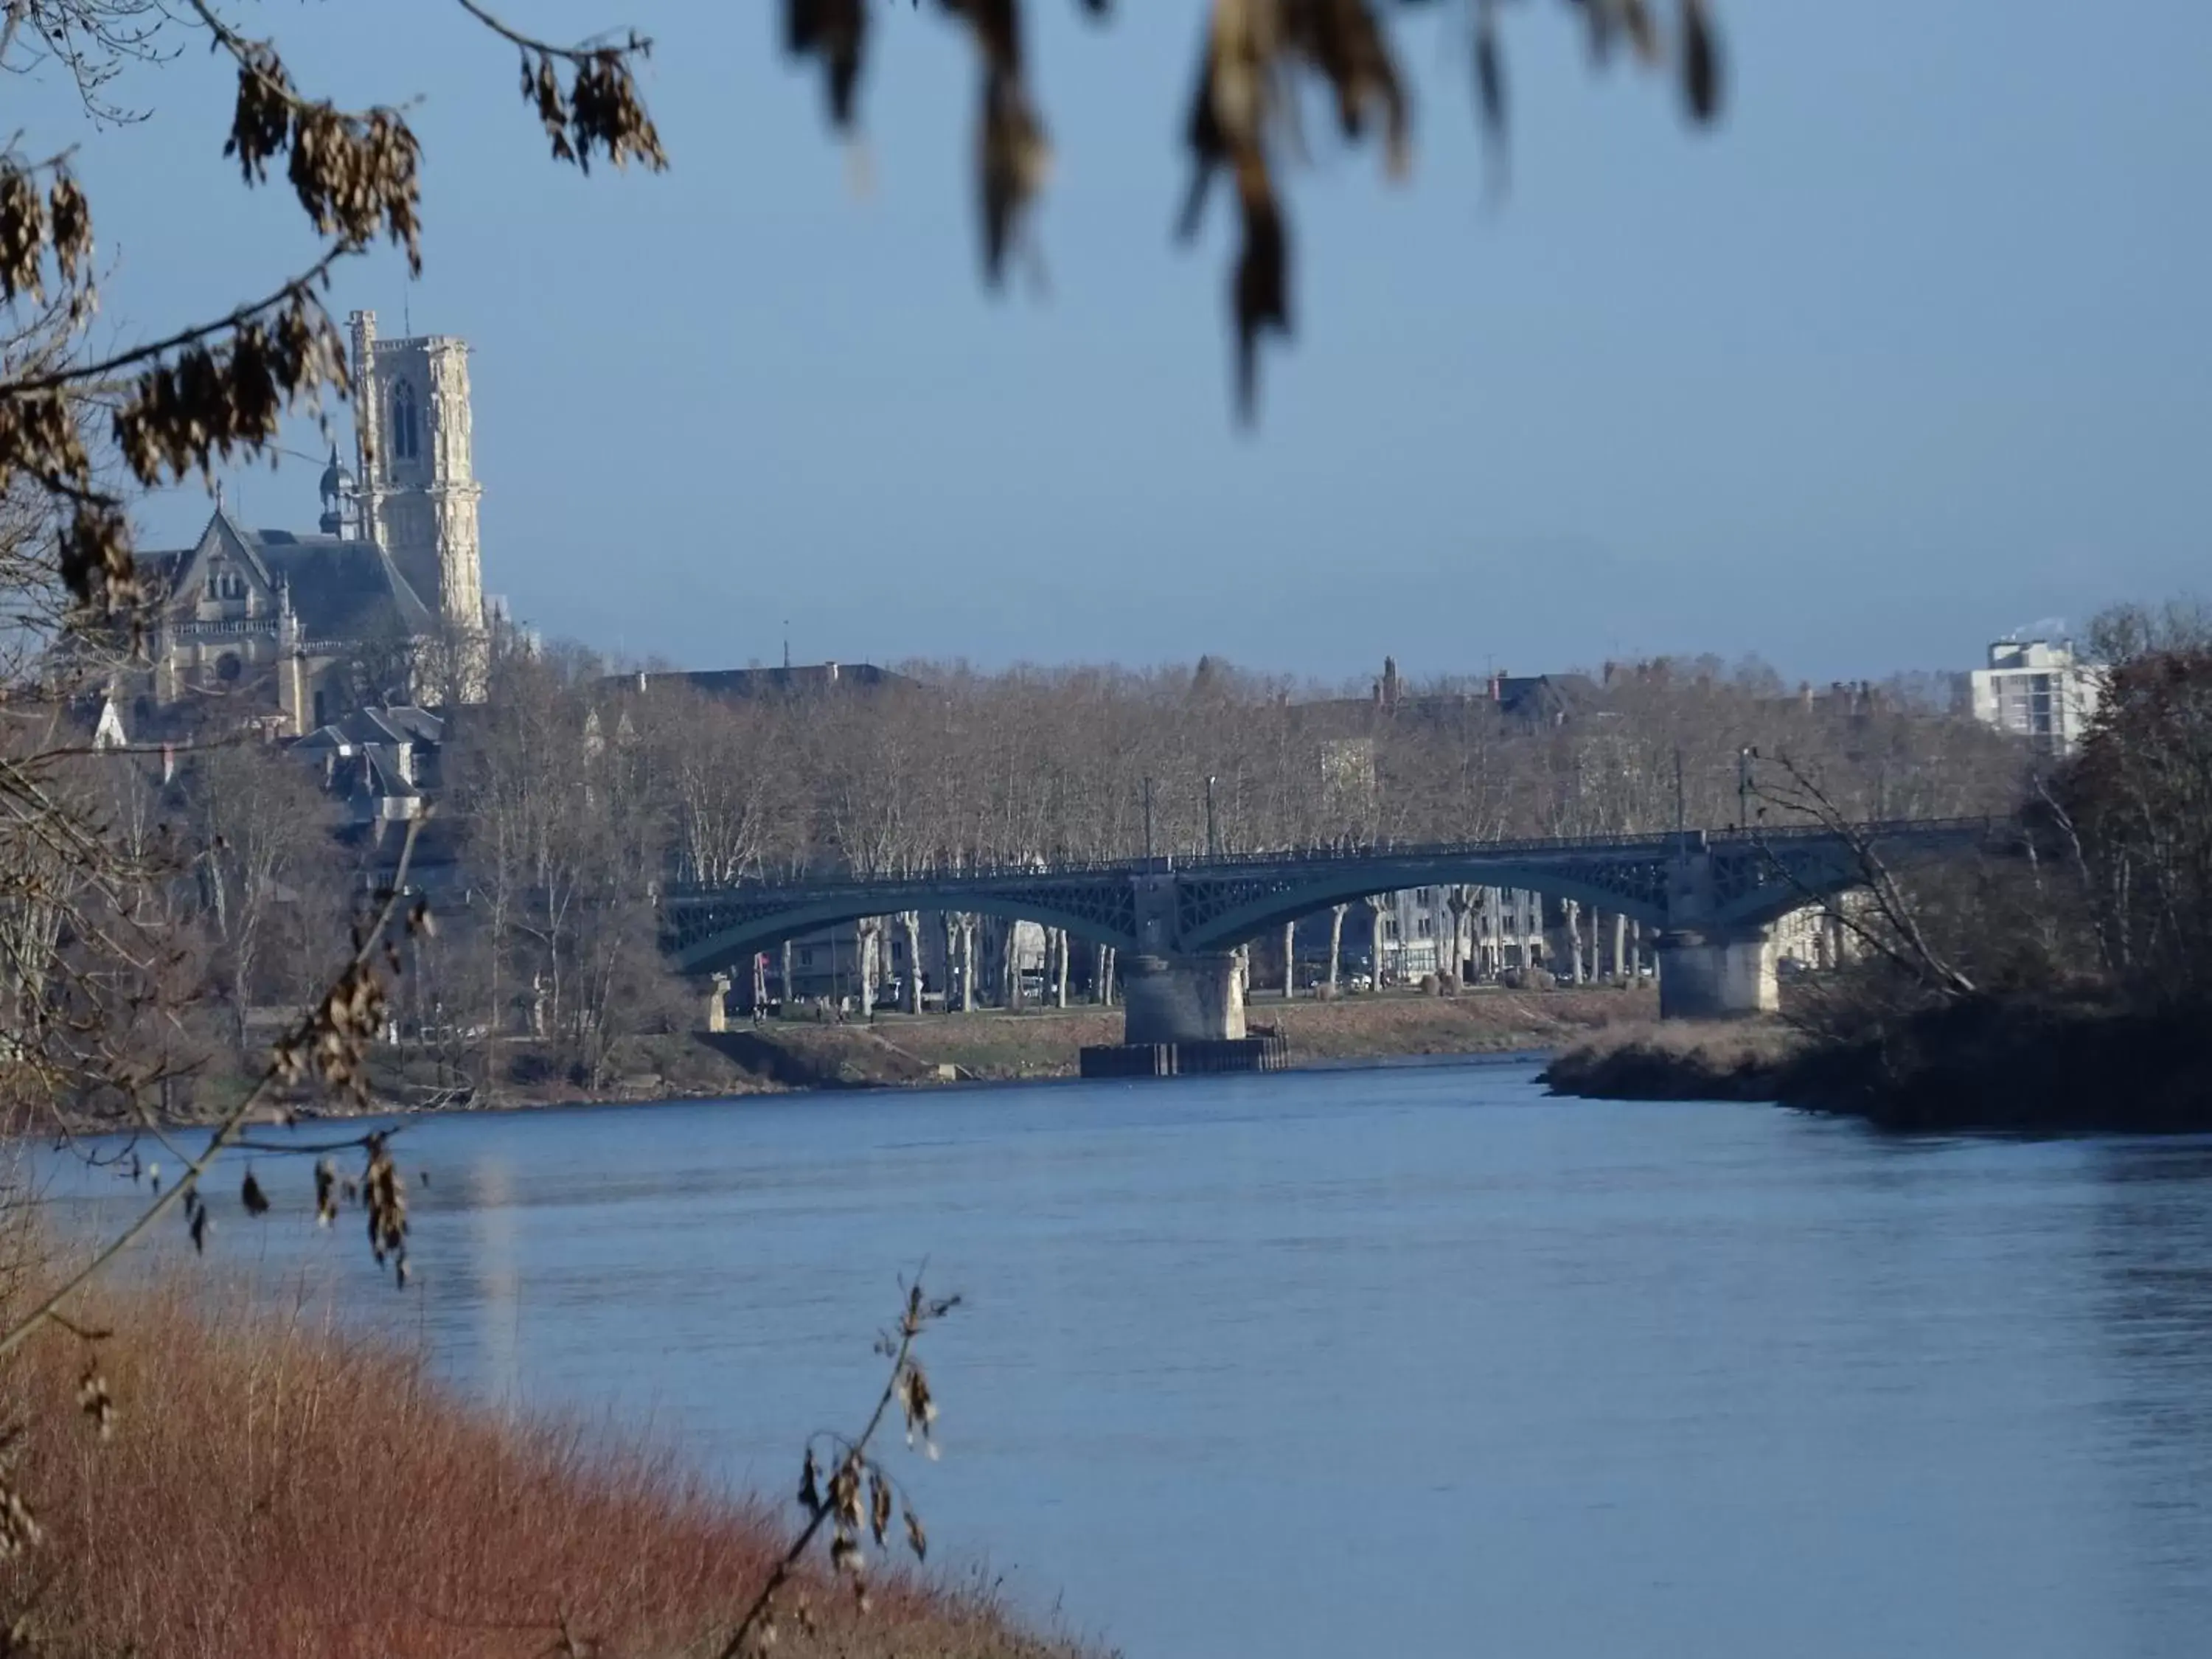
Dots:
pixel 1637 892
pixel 733 944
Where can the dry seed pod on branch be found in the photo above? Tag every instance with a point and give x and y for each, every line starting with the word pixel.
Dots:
pixel 880 1505
pixel 836 31
pixel 18 1527
pixel 93 1399
pixel 597 109
pixel 861 1493
pixel 356 175
pixel 385 1195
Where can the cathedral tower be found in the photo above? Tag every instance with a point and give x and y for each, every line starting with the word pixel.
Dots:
pixel 415 464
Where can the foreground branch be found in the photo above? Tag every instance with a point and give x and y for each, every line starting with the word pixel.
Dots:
pixel 841 1509
pixel 326 1031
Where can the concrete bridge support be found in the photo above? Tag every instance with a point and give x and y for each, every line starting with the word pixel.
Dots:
pixel 1183 999
pixel 1720 975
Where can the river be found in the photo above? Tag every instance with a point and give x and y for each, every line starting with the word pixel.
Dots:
pixel 1411 1359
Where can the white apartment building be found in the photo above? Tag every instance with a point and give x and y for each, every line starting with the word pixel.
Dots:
pixel 2038 691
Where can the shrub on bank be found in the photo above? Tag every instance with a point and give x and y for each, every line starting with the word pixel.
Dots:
pixel 1685 1060
pixel 2036 1065
pixel 273 1487
pixel 2041 1065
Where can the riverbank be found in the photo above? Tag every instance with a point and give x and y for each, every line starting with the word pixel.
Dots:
pixel 1983 1063
pixel 273 1488
pixel 1683 1060
pixel 902 1051
pixel 896 1051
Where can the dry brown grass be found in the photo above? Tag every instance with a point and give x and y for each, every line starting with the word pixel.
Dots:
pixel 274 1487
pixel 1677 1060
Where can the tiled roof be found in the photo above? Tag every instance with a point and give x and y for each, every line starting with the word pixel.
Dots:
pixel 342 588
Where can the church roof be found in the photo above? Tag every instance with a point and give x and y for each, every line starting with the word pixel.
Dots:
pixel 342 588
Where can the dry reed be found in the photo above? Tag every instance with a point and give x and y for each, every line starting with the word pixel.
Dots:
pixel 269 1487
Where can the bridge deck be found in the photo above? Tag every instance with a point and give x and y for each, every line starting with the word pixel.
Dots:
pixel 1727 878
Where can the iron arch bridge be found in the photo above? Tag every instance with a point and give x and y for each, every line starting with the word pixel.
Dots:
pixel 1712 884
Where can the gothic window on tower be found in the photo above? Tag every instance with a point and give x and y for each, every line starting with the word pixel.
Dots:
pixel 405 436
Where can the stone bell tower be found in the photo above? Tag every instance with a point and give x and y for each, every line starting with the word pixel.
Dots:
pixel 416 467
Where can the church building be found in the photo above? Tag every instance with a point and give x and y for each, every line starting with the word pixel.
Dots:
pixel 384 604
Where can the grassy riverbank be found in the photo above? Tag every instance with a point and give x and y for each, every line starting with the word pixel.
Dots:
pixel 2041 1065
pixel 270 1488
pixel 1685 1060
pixel 899 1050
pixel 902 1051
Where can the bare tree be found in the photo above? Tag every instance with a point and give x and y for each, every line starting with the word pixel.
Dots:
pixel 262 829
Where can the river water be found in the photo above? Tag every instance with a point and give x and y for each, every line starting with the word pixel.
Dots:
pixel 1412 1360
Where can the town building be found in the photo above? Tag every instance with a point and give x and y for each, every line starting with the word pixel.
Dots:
pixel 2038 691
pixel 379 765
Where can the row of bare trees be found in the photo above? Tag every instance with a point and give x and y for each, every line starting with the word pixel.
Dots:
pixel 950 768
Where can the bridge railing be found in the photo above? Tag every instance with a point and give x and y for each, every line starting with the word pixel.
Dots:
pixel 1339 853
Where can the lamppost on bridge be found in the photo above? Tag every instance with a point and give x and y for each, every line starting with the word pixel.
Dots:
pixel 1212 841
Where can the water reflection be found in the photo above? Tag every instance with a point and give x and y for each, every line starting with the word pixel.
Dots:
pixel 2152 1249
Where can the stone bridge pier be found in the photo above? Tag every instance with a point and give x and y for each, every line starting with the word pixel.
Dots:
pixel 1182 999
pixel 1720 973
pixel 1712 966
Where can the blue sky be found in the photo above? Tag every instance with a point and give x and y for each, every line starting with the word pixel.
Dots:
pixel 1911 351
